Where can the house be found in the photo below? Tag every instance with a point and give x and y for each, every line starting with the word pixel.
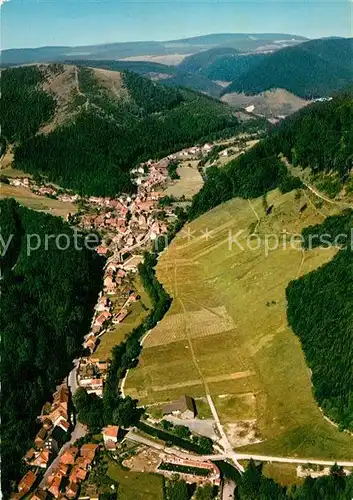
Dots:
pixel 26 483
pixel 184 407
pixel 89 451
pixel 42 460
pixel 101 250
pixel 39 494
pixel 78 474
pixel 69 455
pixel 95 387
pixel 109 285
pixel 72 490
pixel 110 436
pixel 47 424
pixel 118 318
pixel 102 304
pixel 57 414
pixel 40 438
pixel 61 397
pixel 54 488
pixel 102 318
pixel 29 456
pixel 63 424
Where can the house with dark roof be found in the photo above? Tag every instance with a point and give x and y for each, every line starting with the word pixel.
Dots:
pixel 184 407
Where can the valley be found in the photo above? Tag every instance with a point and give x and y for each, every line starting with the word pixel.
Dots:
pixel 202 344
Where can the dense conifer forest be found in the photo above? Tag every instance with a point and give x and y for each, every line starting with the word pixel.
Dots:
pixel 313 69
pixel 320 312
pixel 23 105
pixel 47 303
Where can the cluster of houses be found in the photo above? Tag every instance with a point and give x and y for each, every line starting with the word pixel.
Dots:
pixel 64 480
pixel 116 282
pixel 55 426
pixel 74 465
pixel 91 375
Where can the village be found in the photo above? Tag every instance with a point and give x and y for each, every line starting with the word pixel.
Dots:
pixel 127 225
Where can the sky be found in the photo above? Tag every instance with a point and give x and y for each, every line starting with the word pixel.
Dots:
pixel 34 23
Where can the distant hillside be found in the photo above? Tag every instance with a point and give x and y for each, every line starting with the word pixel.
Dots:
pixel 312 69
pixel 319 136
pixel 272 103
pixel 220 64
pixel 240 41
pixel 95 125
pixel 167 75
pixel 141 67
pixel 197 62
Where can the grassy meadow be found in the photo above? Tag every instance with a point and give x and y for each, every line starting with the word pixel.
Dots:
pixel 136 485
pixel 227 330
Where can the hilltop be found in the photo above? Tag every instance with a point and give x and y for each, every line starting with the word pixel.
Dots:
pixel 86 129
pixel 312 69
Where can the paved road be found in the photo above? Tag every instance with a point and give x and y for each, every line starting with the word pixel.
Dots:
pixel 78 432
pixel 205 427
pixel 234 455
pixel 72 378
pixel 228 488
pixel 285 460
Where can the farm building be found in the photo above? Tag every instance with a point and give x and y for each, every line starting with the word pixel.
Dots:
pixel 184 407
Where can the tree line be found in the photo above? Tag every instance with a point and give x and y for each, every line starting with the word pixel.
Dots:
pixel 24 107
pixel 320 312
pixel 253 485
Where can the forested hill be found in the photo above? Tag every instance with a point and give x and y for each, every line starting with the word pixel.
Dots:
pixel 95 125
pixel 47 304
pixel 312 69
pixel 319 136
pixel 220 64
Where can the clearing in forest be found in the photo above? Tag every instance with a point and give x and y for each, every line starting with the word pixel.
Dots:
pixel 227 327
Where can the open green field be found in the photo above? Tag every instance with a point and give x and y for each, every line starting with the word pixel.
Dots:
pixel 136 485
pixel 138 312
pixel 25 197
pixel 190 181
pixel 227 329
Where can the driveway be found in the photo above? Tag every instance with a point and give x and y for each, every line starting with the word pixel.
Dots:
pixel 228 488
pixel 202 427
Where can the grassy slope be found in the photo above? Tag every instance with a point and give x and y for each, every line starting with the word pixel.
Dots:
pixel 258 362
